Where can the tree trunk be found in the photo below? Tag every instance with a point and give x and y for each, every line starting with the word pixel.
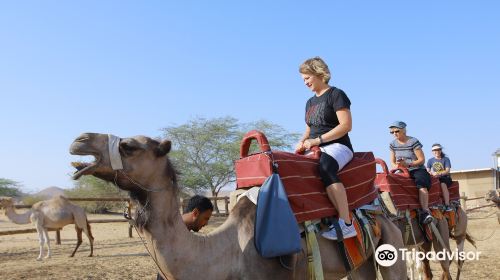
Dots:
pixel 216 207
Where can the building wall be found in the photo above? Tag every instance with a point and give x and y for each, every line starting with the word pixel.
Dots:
pixel 475 183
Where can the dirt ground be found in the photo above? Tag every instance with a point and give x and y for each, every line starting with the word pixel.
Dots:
pixel 116 256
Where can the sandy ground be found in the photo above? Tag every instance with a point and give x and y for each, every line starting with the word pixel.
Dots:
pixel 116 256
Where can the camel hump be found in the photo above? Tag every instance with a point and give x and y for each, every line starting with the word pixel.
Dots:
pixel 60 196
pixel 60 199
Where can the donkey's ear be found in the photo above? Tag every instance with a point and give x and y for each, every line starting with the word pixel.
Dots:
pixel 163 148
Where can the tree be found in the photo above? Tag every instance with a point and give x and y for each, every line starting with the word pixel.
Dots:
pixel 9 188
pixel 205 149
pixel 90 186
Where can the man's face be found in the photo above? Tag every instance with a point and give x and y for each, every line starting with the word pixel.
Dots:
pixel 201 219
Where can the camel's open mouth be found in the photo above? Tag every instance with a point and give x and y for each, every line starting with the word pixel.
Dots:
pixel 83 168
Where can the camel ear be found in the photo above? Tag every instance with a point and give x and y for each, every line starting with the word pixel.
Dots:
pixel 163 148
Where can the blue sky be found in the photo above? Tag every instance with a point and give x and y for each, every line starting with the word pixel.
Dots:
pixel 133 67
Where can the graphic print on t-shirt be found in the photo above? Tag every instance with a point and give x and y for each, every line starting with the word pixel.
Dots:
pixel 437 166
pixel 314 116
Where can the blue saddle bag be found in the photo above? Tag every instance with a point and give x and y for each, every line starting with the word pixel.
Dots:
pixel 276 229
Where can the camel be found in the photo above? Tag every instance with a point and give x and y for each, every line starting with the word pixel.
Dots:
pixel 459 234
pixel 140 165
pixel 426 246
pixel 493 196
pixel 54 213
pixel 417 238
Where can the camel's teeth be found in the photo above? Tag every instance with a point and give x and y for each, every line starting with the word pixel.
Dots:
pixel 79 165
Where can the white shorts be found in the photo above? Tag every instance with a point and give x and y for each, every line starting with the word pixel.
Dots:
pixel 341 153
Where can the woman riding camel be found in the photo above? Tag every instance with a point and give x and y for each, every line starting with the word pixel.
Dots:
pixel 328 121
pixel 440 166
pixel 406 152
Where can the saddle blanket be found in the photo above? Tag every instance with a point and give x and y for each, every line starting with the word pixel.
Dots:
pixel 300 176
pixel 403 191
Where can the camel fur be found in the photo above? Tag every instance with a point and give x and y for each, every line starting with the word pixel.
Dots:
pixel 54 213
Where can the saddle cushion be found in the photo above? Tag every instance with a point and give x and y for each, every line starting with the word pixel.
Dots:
pixel 300 176
pixel 403 191
pixel 454 191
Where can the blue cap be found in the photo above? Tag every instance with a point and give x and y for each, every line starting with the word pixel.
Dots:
pixel 398 124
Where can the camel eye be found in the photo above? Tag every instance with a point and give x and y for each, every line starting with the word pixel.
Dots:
pixel 127 148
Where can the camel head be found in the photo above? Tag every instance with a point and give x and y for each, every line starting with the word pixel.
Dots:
pixel 6 202
pixel 493 196
pixel 136 164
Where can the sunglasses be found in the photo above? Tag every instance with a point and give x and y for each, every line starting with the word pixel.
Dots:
pixel 394 131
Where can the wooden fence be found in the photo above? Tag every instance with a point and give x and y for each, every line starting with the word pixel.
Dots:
pixel 464 199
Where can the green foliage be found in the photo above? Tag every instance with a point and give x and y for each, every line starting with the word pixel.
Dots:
pixel 204 150
pixel 32 199
pixel 278 137
pixel 90 186
pixel 9 188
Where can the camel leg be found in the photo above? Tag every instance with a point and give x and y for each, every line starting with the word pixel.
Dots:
pixel 460 236
pixel 419 268
pixel 41 242
pixel 82 223
pixel 442 226
pixel 426 247
pixel 47 240
pixel 460 240
pixel 415 265
pixel 78 241
pixel 39 229
pixel 410 264
pixel 392 235
pixel 88 233
pixel 365 271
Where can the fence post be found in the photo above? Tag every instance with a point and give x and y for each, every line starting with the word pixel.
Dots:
pixel 58 236
pixel 464 200
pixel 226 201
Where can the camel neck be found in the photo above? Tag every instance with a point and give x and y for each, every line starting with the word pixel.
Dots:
pixel 17 218
pixel 173 246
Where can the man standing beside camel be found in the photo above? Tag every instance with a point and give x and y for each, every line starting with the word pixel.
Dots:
pixel 196 215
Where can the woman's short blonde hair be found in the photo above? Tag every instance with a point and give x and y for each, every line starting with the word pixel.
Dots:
pixel 317 67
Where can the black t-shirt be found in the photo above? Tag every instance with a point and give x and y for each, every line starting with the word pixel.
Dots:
pixel 321 114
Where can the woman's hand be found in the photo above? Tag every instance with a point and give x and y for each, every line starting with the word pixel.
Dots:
pixel 299 148
pixel 402 164
pixel 308 143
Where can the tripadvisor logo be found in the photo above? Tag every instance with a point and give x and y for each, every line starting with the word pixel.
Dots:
pixel 387 255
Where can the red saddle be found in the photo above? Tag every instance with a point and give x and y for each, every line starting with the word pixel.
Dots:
pixel 300 175
pixel 454 191
pixel 404 192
